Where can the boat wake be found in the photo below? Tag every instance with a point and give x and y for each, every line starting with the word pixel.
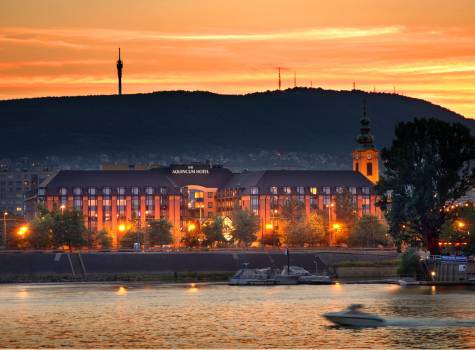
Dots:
pixel 427 322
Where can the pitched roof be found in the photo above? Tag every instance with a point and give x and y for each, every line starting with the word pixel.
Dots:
pixel 108 178
pixel 216 178
pixel 293 178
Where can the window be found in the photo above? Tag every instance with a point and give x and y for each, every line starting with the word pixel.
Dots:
pixel 254 190
pixel 210 205
pixel 135 190
pixel 106 190
pixel 365 190
pixel 77 191
pixel 313 190
pixel 210 194
pixel 149 190
pixel 77 203
pixel 121 190
pixel 300 190
pixel 91 191
pixel 63 191
pixel 313 202
pixel 369 169
pixel 273 190
pixel 357 167
pixel 163 190
pixel 365 204
pixel 352 190
pixel 255 205
pixel 340 189
pixel 287 190
pixel 326 190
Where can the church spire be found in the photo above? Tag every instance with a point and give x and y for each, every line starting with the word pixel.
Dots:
pixel 365 139
pixel 119 73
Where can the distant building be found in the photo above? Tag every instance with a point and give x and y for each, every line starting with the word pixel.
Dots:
pixel 124 166
pixel 14 186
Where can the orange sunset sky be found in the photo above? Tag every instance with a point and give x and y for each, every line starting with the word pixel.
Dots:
pixel 425 48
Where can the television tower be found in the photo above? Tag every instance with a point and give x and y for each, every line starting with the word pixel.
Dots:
pixel 280 82
pixel 119 73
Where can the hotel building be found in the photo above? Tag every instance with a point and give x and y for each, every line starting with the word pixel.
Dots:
pixel 191 193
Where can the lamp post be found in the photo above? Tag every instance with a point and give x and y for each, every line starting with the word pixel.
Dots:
pixel 331 205
pixel 5 229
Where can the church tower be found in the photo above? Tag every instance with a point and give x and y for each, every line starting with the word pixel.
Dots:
pixel 119 73
pixel 366 156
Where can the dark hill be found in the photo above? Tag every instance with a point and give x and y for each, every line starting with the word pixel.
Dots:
pixel 295 120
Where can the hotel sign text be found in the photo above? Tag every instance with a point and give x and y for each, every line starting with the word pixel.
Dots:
pixel 190 170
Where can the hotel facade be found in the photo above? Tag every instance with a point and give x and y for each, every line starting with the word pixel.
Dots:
pixel 189 194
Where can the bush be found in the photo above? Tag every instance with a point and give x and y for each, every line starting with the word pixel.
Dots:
pixel 103 239
pixel 128 240
pixel 409 263
pixel 159 232
pixel 369 232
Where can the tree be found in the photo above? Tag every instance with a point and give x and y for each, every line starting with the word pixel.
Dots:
pixel 299 228
pixel 104 239
pixel 245 226
pixel 317 230
pixel 192 238
pixel 293 210
pixel 68 228
pixel 456 233
pixel 345 208
pixel 426 169
pixel 159 232
pixel 213 230
pixel 41 235
pixel 368 232
pixel 131 237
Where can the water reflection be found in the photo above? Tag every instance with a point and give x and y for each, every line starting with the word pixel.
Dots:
pixel 203 316
pixel 121 291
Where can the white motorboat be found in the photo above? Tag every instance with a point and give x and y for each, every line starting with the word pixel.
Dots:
pixel 305 277
pixel 252 277
pixel 353 317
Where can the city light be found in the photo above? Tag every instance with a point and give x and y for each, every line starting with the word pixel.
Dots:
pixel 122 227
pixel 336 226
pixel 22 231
pixel 460 224
pixel 269 226
pixel 191 227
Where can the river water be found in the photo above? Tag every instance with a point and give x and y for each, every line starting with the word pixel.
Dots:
pixel 220 316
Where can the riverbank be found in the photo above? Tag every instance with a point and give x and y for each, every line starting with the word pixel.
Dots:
pixel 212 266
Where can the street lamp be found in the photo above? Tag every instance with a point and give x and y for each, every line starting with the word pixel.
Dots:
pixel 121 228
pixel 22 231
pixel 5 229
pixel 331 205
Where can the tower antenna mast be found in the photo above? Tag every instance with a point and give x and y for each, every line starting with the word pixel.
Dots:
pixel 119 73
